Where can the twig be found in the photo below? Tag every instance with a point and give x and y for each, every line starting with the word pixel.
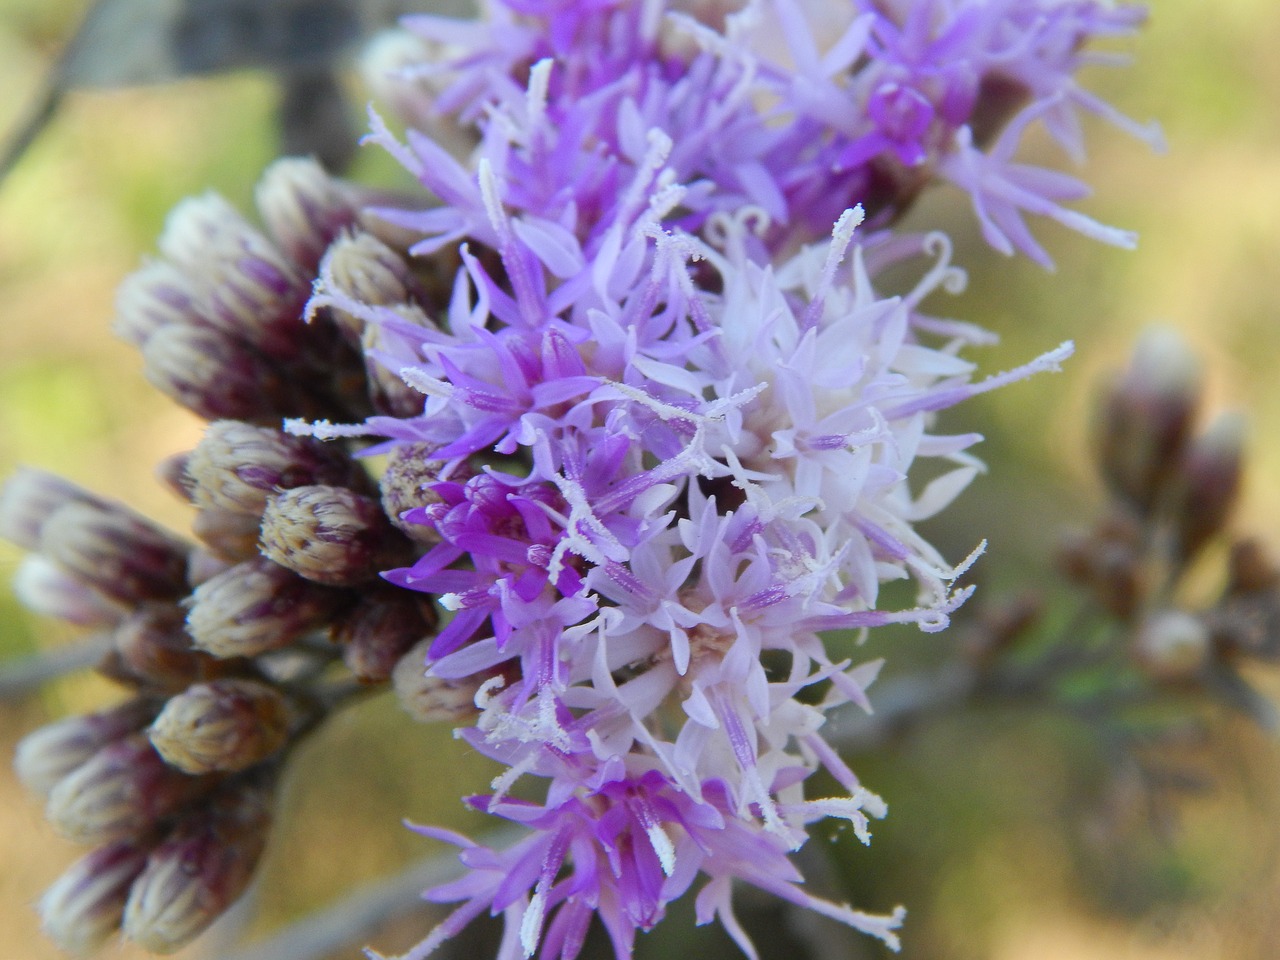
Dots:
pixel 361 913
pixel 27 674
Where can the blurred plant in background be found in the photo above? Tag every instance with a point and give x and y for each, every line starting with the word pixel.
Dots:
pixel 1117 662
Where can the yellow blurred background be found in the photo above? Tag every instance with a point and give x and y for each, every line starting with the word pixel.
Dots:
pixel 985 806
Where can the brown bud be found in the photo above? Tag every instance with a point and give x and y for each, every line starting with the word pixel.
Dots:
pixel 1147 416
pixel 1207 484
pixel 230 535
pixel 428 698
pixel 257 606
pixel 331 535
pixel 225 725
pixel 381 629
pixel 118 552
pixel 156 651
pixel 201 869
pixel 47 755
pixel 404 484
pixel 85 905
pixel 237 466
pixel 121 791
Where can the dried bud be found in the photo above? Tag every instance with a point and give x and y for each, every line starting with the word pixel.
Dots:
pixel 1208 483
pixel 155 650
pixel 50 591
pixel 237 466
pixel 331 535
pixel 215 376
pixel 1252 569
pixel 1147 415
pixel 256 606
pixel 230 535
pixel 46 756
pixel 199 871
pixel 85 905
pixel 226 725
pixel 382 628
pixel 1172 645
pixel 429 698
pixel 304 208
pixel 29 498
pixel 121 791
pixel 118 552
pixel 410 472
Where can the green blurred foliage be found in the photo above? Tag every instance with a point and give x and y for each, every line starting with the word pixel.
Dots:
pixel 1000 839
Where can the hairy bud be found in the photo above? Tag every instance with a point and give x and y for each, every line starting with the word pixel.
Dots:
pixel 431 699
pixel 86 904
pixel 225 725
pixel 381 629
pixel 304 208
pixel 46 756
pixel 331 535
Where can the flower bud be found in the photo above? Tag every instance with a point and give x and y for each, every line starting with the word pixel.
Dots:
pixel 29 498
pixel 331 535
pixel 154 297
pixel 237 466
pixel 44 587
pixel 46 756
pixel 431 699
pixel 1207 483
pixel 203 565
pixel 200 870
pixel 381 629
pixel 116 551
pixel 1147 415
pixel 359 267
pixel 230 535
pixel 86 904
pixel 388 392
pixel 304 208
pixel 1172 645
pixel 256 606
pixel 121 791
pixel 1252 569
pixel 215 376
pixel 155 650
pixel 405 486
pixel 226 725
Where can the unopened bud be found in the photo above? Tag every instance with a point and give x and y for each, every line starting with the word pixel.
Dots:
pixel 405 486
pixel 1172 645
pixel 429 698
pixel 157 653
pixel 1147 416
pixel 225 725
pixel 217 377
pixel 203 565
pixel 157 296
pixel 360 268
pixel 237 466
pixel 200 870
pixel 29 498
pixel 257 606
pixel 46 756
pixel 85 905
pixel 118 552
pixel 44 587
pixel 304 208
pixel 381 629
pixel 331 535
pixel 121 791
pixel 1207 484
pixel 388 392
pixel 231 535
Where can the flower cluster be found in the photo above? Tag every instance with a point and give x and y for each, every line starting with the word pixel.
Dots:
pixel 651 412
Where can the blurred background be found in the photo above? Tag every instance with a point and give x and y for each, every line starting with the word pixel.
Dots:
pixel 1002 838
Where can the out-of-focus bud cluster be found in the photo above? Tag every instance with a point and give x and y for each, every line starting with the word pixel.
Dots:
pixel 1173 487
pixel 230 646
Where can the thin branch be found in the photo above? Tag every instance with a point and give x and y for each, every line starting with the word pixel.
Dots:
pixel 25 675
pixel 359 915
